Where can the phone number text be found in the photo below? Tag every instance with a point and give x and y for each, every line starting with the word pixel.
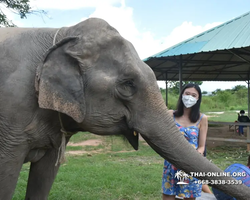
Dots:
pixel 219 182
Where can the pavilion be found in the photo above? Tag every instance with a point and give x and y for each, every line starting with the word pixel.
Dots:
pixel 219 54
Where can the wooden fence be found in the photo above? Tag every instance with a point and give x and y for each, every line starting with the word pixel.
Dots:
pixel 234 125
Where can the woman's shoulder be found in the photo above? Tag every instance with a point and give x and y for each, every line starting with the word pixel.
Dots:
pixel 203 117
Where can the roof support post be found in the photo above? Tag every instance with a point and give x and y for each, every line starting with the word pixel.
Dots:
pixel 248 128
pixel 180 74
pixel 248 95
pixel 166 81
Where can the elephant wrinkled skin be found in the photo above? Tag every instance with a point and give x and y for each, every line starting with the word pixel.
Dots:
pixel 96 81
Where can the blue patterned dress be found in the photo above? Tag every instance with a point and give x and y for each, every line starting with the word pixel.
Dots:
pixel 169 181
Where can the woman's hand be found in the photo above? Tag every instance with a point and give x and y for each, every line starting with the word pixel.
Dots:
pixel 200 150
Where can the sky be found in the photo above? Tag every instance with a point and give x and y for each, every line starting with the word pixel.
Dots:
pixel 151 25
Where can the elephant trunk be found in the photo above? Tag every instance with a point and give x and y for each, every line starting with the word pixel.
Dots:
pixel 165 138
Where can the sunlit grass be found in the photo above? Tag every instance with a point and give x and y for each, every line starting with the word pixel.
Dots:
pixel 116 171
pixel 224 156
pixel 127 175
pixel 226 116
pixel 107 175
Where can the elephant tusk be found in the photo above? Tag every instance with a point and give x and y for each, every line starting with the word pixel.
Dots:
pixel 135 134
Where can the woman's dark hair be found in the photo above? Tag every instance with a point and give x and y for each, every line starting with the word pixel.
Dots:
pixel 195 109
pixel 248 163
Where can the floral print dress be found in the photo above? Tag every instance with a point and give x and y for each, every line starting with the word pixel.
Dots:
pixel 169 179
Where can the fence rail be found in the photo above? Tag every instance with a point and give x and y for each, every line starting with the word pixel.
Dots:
pixel 230 124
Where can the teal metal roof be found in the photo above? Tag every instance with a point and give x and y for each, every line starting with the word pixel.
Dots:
pixel 219 54
pixel 232 34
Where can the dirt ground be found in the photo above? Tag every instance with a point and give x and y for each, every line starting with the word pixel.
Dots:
pixel 224 132
pixel 215 131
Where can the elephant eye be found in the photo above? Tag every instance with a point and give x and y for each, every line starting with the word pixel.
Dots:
pixel 126 89
pixel 130 83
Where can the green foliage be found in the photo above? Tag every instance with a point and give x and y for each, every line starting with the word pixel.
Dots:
pixel 239 87
pixel 163 92
pixel 174 86
pixel 220 100
pixel 224 96
pixel 19 7
pixel 172 101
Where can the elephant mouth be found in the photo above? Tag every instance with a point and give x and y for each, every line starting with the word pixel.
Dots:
pixel 133 138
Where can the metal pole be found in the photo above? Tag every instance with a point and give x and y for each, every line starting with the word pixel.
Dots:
pixel 180 74
pixel 248 95
pixel 248 128
pixel 166 89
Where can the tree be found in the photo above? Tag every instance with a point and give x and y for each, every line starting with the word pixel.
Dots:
pixel 19 7
pixel 175 85
pixel 238 87
pixel 216 91
pixel 224 96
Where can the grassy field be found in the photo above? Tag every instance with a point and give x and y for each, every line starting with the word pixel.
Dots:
pixel 225 116
pixel 114 171
pixel 127 174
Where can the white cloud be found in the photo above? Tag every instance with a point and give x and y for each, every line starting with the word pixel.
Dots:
pixel 146 43
pixel 211 86
pixel 70 5
pixel 185 31
pixel 120 16
pixel 151 45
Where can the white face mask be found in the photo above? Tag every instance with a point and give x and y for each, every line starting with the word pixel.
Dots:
pixel 188 100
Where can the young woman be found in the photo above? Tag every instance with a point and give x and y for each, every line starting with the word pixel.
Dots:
pixel 193 125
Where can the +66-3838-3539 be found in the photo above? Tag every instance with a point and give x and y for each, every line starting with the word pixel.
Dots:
pixel 219 182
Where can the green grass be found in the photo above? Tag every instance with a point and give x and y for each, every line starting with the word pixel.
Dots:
pixel 119 176
pixel 117 172
pixel 227 116
pixel 109 175
pixel 82 136
pixel 224 156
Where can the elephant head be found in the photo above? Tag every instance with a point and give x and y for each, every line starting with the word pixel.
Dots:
pixel 96 77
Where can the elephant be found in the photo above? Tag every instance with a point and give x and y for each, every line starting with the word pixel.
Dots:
pixel 55 82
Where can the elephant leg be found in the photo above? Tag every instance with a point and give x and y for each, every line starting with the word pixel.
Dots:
pixel 41 176
pixel 10 167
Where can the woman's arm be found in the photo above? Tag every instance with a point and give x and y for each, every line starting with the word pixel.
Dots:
pixel 203 134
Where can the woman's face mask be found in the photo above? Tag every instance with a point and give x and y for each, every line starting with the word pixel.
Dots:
pixel 189 100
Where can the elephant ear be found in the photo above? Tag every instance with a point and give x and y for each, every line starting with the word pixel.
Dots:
pixel 59 81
